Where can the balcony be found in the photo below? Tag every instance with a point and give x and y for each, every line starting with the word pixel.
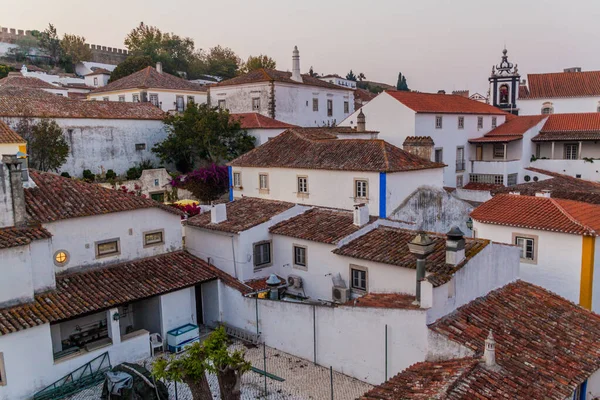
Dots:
pixel 584 169
pixel 502 167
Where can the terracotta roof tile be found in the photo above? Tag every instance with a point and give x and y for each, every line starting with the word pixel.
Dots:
pixel 242 214
pixel 385 300
pixel 576 126
pixel 324 225
pixel 442 103
pixel 259 121
pixel 26 82
pixel 319 148
pixel 561 84
pixel 99 289
pixel 13 236
pixel 7 135
pixel 150 78
pixel 19 102
pixel 549 214
pixel 56 197
pixel 510 130
pixel 272 75
pixel 390 246
pixel 481 186
pixel 418 140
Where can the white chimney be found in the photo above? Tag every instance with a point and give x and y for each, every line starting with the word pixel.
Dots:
pixel 159 67
pixel 218 213
pixel 515 193
pixel 489 353
pixel 296 76
pixel 361 214
pixel 455 246
pixel 544 193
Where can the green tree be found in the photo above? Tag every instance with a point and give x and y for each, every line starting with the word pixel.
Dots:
pixel 4 70
pixel 129 66
pixel 350 76
pixel 25 45
pixel 50 43
pixel 361 77
pixel 222 62
pixel 401 84
pixel 202 134
pixel 75 49
pixel 256 62
pixel 46 145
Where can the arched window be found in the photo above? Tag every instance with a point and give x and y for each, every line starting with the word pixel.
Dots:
pixel 504 94
pixel 547 108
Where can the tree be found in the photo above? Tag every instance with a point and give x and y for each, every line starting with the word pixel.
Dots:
pixel 4 70
pixel 350 76
pixel 50 43
pixel 312 73
pixel 202 134
pixel 361 77
pixel 256 62
pixel 401 84
pixel 75 49
pixel 222 62
pixel 46 145
pixel 206 184
pixel 129 66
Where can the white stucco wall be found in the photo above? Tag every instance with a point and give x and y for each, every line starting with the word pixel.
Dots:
pixel 400 185
pixel 561 105
pixel 593 386
pixel 586 170
pixel 166 98
pixel 76 236
pixel 42 266
pixel 263 135
pixel 177 309
pixel 17 277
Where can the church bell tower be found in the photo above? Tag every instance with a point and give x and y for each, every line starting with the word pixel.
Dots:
pixel 504 85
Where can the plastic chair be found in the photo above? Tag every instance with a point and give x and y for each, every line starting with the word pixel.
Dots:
pixel 155 342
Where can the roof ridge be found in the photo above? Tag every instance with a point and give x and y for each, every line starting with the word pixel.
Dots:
pixel 570 217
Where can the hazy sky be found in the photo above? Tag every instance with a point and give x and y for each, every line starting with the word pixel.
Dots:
pixel 437 44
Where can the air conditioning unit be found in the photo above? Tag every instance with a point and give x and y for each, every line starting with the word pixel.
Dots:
pixel 340 294
pixel 294 281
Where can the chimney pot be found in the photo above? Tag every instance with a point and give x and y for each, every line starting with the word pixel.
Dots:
pixel 159 67
pixel 14 165
pixel 455 246
pixel 421 246
pixel 296 76
pixel 361 214
pixel 489 353
pixel 218 213
pixel 361 123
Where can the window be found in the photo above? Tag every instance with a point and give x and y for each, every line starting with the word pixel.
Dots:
pixel 299 256
pixel 547 108
pixel 153 238
pixel 2 371
pixel 329 108
pixel 122 99
pixel 511 179
pixel 302 185
pixel 140 146
pixel 438 122
pixel 95 81
pixel 105 99
pixel 439 155
pixel 221 104
pixel 527 245
pixel 358 278
pixel 159 196
pixel 237 179
pixel 571 151
pixel 538 150
pixel 263 182
pixel 256 104
pixel 479 122
pixel 190 100
pixel 156 182
pixel 107 248
pixel 461 122
pixel 136 98
pixel 262 254
pixel 61 258
pixel 459 181
pixel 493 179
pixel 494 122
pixel 179 103
pixel 460 158
pixel 154 99
pixel 315 104
pixel 346 107
pixel 361 189
pixel 498 151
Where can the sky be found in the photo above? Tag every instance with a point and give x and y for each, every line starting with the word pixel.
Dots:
pixel 436 44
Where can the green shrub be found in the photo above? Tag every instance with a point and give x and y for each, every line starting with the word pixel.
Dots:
pixel 88 176
pixel 110 174
pixel 134 173
pixel 65 174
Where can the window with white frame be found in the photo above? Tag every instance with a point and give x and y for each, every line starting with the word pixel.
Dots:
pixel 494 122
pixel 154 99
pixel 237 179
pixel 256 103
pixel 538 150
pixel 498 150
pixel 361 188
pixel 461 122
pixel 329 108
pixel 358 278
pixel 136 98
pixel 2 371
pixel 438 122
pixel 302 185
pixel 315 104
pixel 95 81
pixel 190 100
pixel 262 254
pixel 122 99
pixel 179 103
pixel 105 99
pixel 547 108
pixel 460 158
pixel 571 151
pixel 527 246
pixel 300 256
pixel 154 238
pixel 479 122
pixel 221 104
pixel 346 107
pixel 106 248
pixel 263 182
pixel 439 155
pixel 511 179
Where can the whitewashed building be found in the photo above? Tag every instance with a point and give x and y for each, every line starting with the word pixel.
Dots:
pixel 315 166
pixel 16 80
pixel 97 78
pixel 449 120
pixel 338 80
pixel 84 68
pixel 290 97
pixel 152 85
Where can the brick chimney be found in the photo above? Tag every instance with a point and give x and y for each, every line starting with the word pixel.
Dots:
pixel 421 246
pixel 296 76
pixel 361 214
pixel 159 67
pixel 16 189
pixel 361 123
pixel 421 146
pixel 455 246
pixel 218 213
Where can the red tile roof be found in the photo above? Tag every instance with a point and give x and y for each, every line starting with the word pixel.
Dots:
pixel 77 96
pixel 150 78
pixel 549 214
pixel 389 245
pixel 18 102
pixel 385 300
pixel 13 236
pixel 545 345
pixel 561 84
pixel 363 96
pixel 259 121
pixel 99 289
pixel 272 75
pixel 324 225
pixel 242 214
pixel 510 130
pixel 26 82
pixel 481 186
pixel 99 71
pixel 7 135
pixel 576 126
pixel 310 148
pixel 442 103
pixel 55 198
